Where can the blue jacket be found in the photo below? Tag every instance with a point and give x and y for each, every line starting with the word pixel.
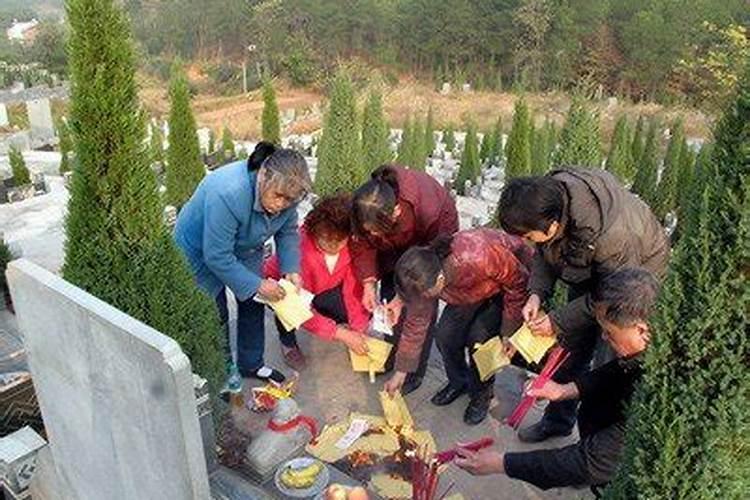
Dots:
pixel 222 230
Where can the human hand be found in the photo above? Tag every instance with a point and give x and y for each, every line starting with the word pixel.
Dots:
pixel 271 290
pixel 395 383
pixel 551 391
pixel 542 326
pixel 531 308
pixel 393 311
pixel 369 296
pixel 480 463
pixel 295 279
pixel 355 341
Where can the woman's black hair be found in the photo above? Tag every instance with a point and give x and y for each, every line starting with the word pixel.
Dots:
pixel 262 151
pixel 373 203
pixel 419 267
pixel 531 204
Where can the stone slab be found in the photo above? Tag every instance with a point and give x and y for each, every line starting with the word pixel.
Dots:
pixel 3 115
pixel 40 118
pixel 116 395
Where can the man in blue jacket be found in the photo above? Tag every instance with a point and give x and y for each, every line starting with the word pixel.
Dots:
pixel 222 231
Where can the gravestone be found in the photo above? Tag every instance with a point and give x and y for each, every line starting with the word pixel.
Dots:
pixel 40 119
pixel 18 461
pixel 3 115
pixel 445 89
pixel 204 139
pixel 116 396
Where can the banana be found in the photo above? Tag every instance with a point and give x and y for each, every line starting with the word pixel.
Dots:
pixel 301 478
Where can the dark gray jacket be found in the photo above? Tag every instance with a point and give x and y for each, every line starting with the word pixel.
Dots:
pixel 604 228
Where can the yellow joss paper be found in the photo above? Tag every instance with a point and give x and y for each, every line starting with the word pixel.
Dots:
pixel 292 310
pixel 395 410
pixel 375 359
pixel 490 357
pixel 532 347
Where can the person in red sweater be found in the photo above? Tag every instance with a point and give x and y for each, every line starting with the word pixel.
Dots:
pixel 482 275
pixel 326 271
pixel 395 210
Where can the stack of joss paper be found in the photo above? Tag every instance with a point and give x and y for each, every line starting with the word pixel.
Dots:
pixel 490 357
pixel 531 347
pixel 294 309
pixel 373 449
pixel 374 361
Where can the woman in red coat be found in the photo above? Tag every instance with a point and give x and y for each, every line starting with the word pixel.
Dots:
pixel 327 271
pixel 395 210
pixel 482 276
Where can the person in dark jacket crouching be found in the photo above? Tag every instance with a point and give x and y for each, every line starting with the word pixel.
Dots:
pixel 622 304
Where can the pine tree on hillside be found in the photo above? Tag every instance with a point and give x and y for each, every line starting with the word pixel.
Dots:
pixel 375 148
pixel 620 160
pixel 270 123
pixel 419 151
pixel 580 142
pixel 227 143
pixel 644 184
pixel 117 246
pixel 21 175
pixel 449 138
pixel 497 141
pixel 485 152
pixel 429 133
pixel 405 153
pixel 65 144
pixel 340 167
pixel 667 195
pixel 518 149
pixel 184 163
pixel 690 417
pixel 637 144
pixel 470 168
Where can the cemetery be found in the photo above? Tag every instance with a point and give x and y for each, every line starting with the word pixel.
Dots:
pixel 149 241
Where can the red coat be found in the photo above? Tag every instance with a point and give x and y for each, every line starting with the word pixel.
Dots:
pixel 483 262
pixel 427 210
pixel 317 279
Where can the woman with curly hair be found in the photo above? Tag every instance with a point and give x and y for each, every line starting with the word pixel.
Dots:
pixel 326 271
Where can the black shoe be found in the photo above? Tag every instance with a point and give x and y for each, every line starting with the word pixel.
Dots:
pixel 539 432
pixel 447 395
pixel 411 384
pixel 477 410
pixel 264 373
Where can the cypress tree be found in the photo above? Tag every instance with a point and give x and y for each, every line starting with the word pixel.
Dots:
pixel 685 177
pixel 117 246
pixel 470 168
pixel 449 138
pixel 227 143
pixel 551 135
pixel 644 184
pixel 497 141
pixel 539 151
pixel 637 145
pixel 620 160
pixel 518 149
pixel 157 143
pixel 406 146
pixel 485 152
pixel 270 123
pixel 339 154
pixel 66 146
pixel 420 146
pixel 580 142
pixel 690 417
pixel 375 148
pixel 666 198
pixel 429 133
pixel 211 142
pixel 184 164
pixel 21 175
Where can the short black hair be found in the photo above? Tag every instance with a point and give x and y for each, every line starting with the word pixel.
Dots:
pixel 530 204
pixel 419 267
pixel 626 296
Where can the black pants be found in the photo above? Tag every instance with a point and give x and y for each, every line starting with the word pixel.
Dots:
pixel 592 461
pixel 388 292
pixel 329 303
pixel 560 416
pixel 459 328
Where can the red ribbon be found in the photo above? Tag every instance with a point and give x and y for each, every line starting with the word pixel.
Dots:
pixel 308 422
